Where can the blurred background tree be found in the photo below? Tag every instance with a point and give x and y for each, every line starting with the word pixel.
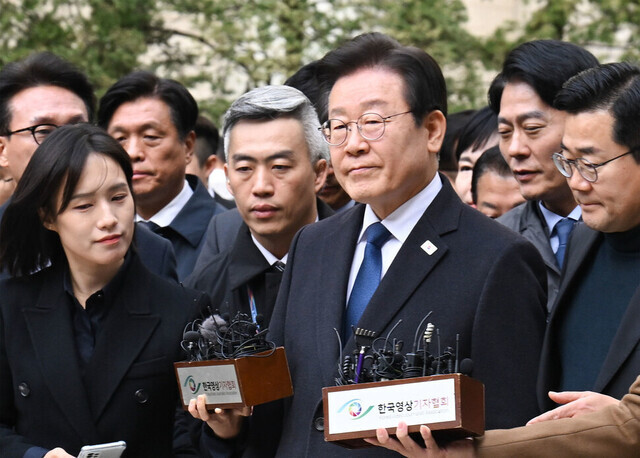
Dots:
pixel 221 48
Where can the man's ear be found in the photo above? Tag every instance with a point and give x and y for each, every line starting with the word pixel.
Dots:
pixel 4 160
pixel 210 164
pixel 189 144
pixel 226 172
pixel 320 169
pixel 436 125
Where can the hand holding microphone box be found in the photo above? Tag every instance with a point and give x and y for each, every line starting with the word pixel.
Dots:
pixel 232 364
pixel 379 385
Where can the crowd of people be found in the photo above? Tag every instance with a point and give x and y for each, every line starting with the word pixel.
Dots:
pixel 346 198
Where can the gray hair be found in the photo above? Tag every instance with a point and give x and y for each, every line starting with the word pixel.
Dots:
pixel 273 102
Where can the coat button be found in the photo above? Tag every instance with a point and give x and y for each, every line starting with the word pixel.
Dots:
pixel 141 396
pixel 24 390
pixel 318 423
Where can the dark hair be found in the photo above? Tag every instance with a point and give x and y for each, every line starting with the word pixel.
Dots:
pixel 455 124
pixel 58 163
pixel 542 64
pixel 140 84
pixel 477 131
pixel 306 81
pixel 42 69
pixel 424 86
pixel 611 87
pixel 489 161
pixel 208 132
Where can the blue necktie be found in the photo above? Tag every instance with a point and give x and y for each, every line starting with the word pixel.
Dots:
pixel 563 230
pixel 368 276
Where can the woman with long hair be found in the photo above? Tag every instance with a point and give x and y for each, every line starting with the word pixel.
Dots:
pixel 87 334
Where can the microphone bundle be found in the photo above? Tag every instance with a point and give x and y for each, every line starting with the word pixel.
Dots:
pixel 218 337
pixel 377 359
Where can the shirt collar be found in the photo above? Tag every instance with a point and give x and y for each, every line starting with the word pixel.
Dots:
pixel 167 214
pixel 551 219
pixel 271 259
pixel 402 221
pixel 110 290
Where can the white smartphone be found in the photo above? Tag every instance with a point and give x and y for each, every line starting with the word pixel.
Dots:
pixel 110 450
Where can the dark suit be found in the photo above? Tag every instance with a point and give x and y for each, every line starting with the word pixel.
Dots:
pixel 186 231
pixel 527 220
pixel 622 364
pixel 613 431
pixel 226 275
pixel 483 281
pixel 127 390
pixel 221 233
pixel 155 252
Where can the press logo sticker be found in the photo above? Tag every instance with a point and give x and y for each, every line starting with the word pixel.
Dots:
pixel 429 247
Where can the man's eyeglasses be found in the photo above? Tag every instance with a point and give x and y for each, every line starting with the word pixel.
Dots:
pixel 39 131
pixel 587 170
pixel 370 125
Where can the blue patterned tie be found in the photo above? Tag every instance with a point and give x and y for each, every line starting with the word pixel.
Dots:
pixel 368 276
pixel 563 230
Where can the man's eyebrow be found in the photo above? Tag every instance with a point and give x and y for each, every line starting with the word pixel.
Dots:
pixel 534 114
pixel 283 154
pixel 145 126
pixel 582 150
pixel 44 119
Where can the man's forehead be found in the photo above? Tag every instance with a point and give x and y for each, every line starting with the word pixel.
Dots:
pixel 143 113
pixel 376 87
pixel 580 137
pixel 47 104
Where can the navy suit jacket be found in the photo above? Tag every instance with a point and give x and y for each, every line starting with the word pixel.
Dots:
pixel 622 364
pixel 187 230
pixel 483 281
pixel 128 389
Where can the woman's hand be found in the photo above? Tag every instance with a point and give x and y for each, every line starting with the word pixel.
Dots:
pixel 58 453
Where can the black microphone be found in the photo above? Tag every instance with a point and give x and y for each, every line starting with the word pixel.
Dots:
pixel 191 339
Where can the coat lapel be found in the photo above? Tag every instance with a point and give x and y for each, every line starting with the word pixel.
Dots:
pixel 125 332
pixel 51 333
pixel 532 227
pixel 246 260
pixel 581 244
pixel 337 255
pixel 623 343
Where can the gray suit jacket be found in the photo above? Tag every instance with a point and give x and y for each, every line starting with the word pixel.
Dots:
pixel 527 220
pixel 622 364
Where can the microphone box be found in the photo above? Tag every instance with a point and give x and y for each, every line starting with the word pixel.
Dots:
pixel 451 405
pixel 235 383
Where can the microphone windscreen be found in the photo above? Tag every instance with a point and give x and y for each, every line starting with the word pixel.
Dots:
pixel 466 366
pixel 191 336
pixel 212 326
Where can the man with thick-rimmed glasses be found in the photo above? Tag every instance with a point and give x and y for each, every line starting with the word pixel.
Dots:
pixel 37 95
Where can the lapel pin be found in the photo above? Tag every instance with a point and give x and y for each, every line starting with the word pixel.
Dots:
pixel 429 247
